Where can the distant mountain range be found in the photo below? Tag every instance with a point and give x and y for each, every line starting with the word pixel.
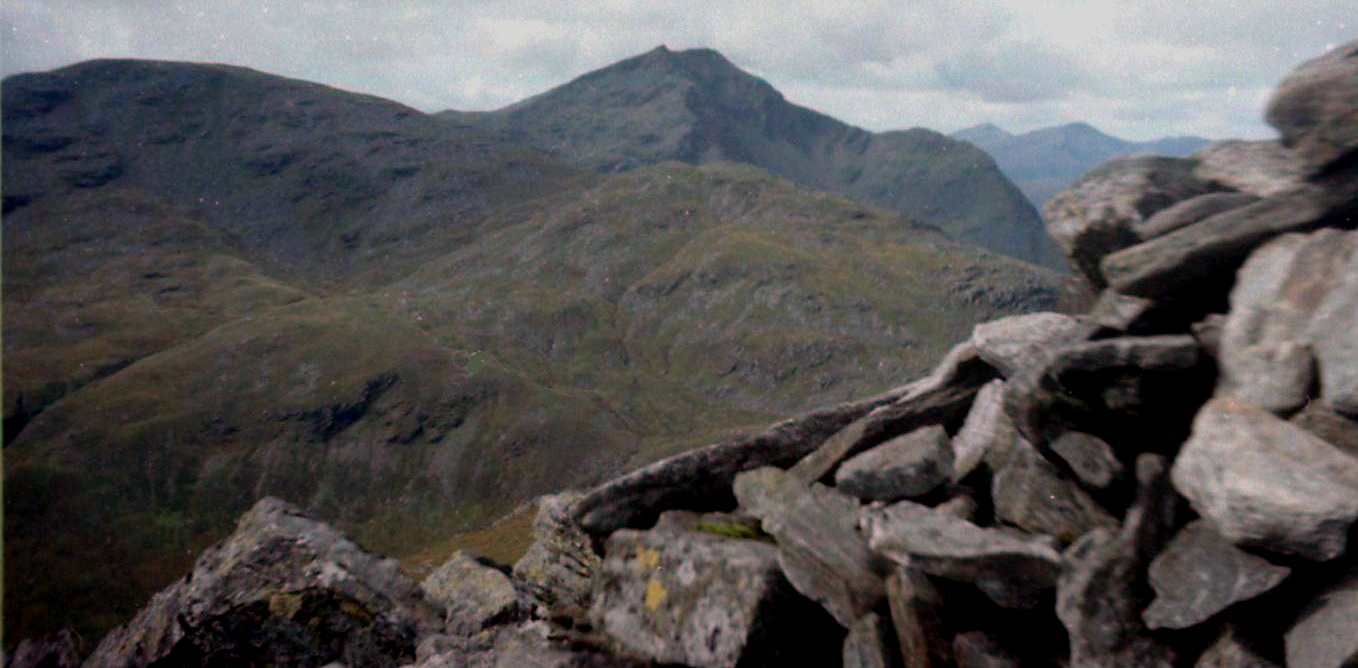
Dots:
pixel 1043 162
pixel 696 107
pixel 221 284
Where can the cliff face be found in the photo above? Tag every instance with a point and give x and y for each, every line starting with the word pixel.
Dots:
pixel 1170 479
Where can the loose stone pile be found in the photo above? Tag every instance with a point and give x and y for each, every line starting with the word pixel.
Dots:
pixel 1169 480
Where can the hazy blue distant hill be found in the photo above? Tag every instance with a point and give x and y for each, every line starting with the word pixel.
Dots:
pixel 1042 162
pixel 696 107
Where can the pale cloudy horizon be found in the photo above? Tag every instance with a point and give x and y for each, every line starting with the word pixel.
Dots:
pixel 1137 70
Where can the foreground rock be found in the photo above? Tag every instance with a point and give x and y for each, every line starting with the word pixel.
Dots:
pixel 699 600
pixel 871 644
pixel 475 595
pixel 1200 574
pixel 559 564
pixel 1011 570
pixel 59 650
pixel 905 467
pixel 1231 650
pixel 1031 493
pixel 1325 637
pixel 1313 109
pixel 1331 336
pixel 1266 483
pixel 1021 342
pixel 819 546
pixel 284 589
pixel 1257 168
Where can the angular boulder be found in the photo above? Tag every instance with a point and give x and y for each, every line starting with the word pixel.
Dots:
pixel 1021 342
pixel 986 432
pixel 1096 215
pixel 58 650
pixel 1012 571
pixel 1031 493
pixel 1199 574
pixel 301 592
pixel 916 606
pixel 559 563
pixel 1088 457
pixel 904 467
pixel 819 547
pixel 1324 636
pixel 871 644
pixel 1331 335
pixel 701 600
pixel 1314 112
pixel 1258 168
pixel 1190 211
pixel 474 595
pixel 1266 483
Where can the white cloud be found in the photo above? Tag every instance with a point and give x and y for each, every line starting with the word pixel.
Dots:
pixel 1135 68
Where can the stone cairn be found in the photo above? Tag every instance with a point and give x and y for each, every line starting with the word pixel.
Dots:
pixel 1168 480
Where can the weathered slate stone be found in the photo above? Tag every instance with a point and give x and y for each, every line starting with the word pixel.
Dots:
pixel 1259 168
pixel 1331 335
pixel 1095 215
pixel 1089 458
pixel 1230 650
pixel 976 649
pixel 940 398
pixel 819 546
pixel 1313 109
pixel 298 589
pixel 907 466
pixel 1199 574
pixel 1101 590
pixel 1324 636
pixel 558 565
pixel 1012 571
pixel 700 479
pixel 1263 357
pixel 986 430
pixel 916 607
pixel 1030 492
pixel 1190 211
pixel 700 600
pixel 1266 483
pixel 1024 341
pixel 1335 428
pixel 871 644
pixel 1207 253
pixel 474 595
pixel 58 650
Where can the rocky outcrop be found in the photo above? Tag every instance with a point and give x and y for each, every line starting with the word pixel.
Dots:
pixel 1044 465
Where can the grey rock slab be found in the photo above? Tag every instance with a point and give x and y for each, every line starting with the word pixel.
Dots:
pixel 1012 571
pixel 1259 168
pixel 1030 492
pixel 1199 574
pixel 986 431
pixel 1190 211
pixel 474 595
pixel 300 590
pixel 700 600
pixel 1099 595
pixel 1230 650
pixel 57 650
pixel 1313 108
pixel 916 606
pixel 1326 635
pixel 1266 483
pixel 976 649
pixel 939 398
pixel 1096 214
pixel 1210 251
pixel 1024 341
pixel 819 546
pixel 1091 459
pixel 1332 337
pixel 871 644
pixel 700 479
pixel 906 466
pixel 1264 356
pixel 560 561
pixel 1334 428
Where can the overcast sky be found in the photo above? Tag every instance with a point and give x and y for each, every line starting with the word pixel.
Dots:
pixel 1135 68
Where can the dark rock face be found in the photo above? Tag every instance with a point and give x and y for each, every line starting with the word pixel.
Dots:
pixel 916 606
pixel 1266 483
pixel 700 600
pixel 1324 637
pixel 1199 574
pixel 905 467
pixel 1231 651
pixel 819 546
pixel 871 644
pixel 299 591
pixel 1313 109
pixel 1033 494
pixel 60 650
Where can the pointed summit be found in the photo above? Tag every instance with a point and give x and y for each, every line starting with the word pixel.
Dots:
pixel 696 106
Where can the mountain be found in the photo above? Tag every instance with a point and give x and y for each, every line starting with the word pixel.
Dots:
pixel 222 284
pixel 1043 162
pixel 694 106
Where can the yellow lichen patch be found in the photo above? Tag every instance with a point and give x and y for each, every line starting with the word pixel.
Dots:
pixel 648 557
pixel 655 594
pixel 285 605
